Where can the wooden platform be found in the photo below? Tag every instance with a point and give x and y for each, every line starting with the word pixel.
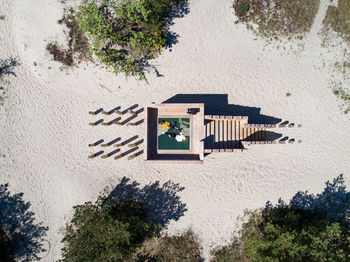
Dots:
pixel 229 133
pixel 165 110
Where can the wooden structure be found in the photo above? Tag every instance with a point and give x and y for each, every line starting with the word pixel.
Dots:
pixel 209 133
pixel 156 111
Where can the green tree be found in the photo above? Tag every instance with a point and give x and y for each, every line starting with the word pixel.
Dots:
pixel 284 233
pixel 126 34
pixel 107 230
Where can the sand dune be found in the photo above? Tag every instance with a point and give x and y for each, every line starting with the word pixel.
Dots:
pixel 45 128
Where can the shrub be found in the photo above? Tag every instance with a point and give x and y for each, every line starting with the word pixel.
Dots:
pixel 108 230
pixel 285 233
pixel 126 34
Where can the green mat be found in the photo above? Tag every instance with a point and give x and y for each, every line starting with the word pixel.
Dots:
pixel 166 142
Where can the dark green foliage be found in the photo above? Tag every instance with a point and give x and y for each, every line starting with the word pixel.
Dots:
pixel 277 18
pixel 6 249
pixel 180 248
pixel 20 236
pixel 126 34
pixel 108 230
pixel 311 228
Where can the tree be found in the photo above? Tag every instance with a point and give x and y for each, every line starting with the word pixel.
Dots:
pixel 309 228
pixel 126 34
pixel 107 230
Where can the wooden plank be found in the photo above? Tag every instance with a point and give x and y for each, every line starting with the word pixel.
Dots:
pixel 220 133
pixel 229 134
pixel 216 131
pixel 240 132
pixel 225 126
pixel 212 133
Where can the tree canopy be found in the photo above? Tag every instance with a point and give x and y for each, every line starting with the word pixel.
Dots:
pixel 309 228
pixel 125 34
pixel 107 230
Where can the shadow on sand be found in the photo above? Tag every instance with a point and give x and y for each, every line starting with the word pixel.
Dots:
pixel 18 222
pixel 217 104
pixel 7 66
pixel 333 202
pixel 163 201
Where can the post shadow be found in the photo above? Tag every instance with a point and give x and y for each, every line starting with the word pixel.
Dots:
pixel 162 200
pixel 18 222
pixel 217 104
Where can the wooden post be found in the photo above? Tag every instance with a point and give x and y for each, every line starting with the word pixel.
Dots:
pixel 135 155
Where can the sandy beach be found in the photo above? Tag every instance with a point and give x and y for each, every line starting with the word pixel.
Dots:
pixel 45 128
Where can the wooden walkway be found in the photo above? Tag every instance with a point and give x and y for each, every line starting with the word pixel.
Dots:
pixel 226 133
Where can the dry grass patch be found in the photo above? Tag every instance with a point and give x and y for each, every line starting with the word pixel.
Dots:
pixel 78 49
pixel 277 18
pixel 181 248
pixel 338 20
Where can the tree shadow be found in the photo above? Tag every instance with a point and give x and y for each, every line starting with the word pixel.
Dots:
pixel 217 104
pixel 333 202
pixel 18 222
pixel 179 11
pixel 162 200
pixel 7 65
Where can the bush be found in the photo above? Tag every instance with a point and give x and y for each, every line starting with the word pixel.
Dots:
pixel 284 233
pixel 6 248
pixel 277 18
pixel 108 230
pixel 126 34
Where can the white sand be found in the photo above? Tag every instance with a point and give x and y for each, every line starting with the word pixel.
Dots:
pixel 45 132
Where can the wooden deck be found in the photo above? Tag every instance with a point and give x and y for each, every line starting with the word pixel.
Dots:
pixel 227 133
pixel 196 152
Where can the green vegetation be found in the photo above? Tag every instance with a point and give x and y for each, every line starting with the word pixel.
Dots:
pixel 108 230
pixel 126 34
pixel 309 228
pixel 2 17
pixel 282 233
pixel 288 94
pixel 6 248
pixel 277 18
pixel 78 45
pixel 343 95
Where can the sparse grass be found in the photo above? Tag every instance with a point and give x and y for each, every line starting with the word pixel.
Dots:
pixel 277 18
pixel 343 95
pixel 78 45
pixel 181 248
pixel 338 19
